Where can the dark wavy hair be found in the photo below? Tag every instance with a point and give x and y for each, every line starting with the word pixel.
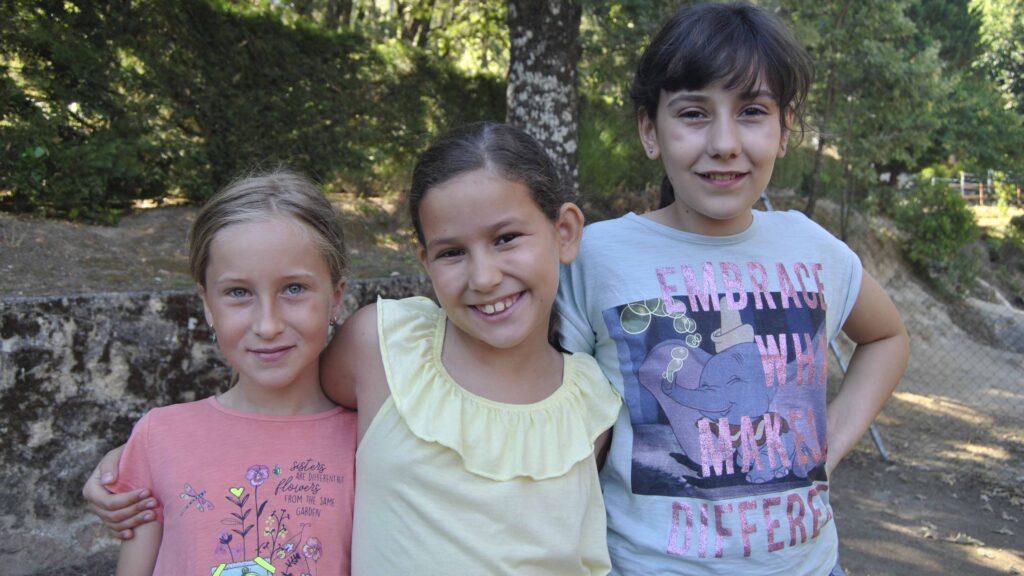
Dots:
pixel 737 44
pixel 507 150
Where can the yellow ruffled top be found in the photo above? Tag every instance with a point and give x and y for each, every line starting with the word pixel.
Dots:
pixel 495 440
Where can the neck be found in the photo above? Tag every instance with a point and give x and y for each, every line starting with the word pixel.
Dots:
pixel 681 217
pixel 293 400
pixel 525 374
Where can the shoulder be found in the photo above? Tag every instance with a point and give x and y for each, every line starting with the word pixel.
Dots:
pixel 386 313
pixel 412 306
pixel 599 230
pixel 793 226
pixel 606 236
pixel 174 414
pixel 794 221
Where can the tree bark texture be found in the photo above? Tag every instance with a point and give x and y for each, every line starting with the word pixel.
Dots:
pixel 542 96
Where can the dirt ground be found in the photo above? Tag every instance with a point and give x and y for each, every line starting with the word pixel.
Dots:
pixel 943 510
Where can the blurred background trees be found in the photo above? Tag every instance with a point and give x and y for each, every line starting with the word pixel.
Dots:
pixel 106 103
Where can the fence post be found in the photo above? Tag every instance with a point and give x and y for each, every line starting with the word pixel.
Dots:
pixel 876 436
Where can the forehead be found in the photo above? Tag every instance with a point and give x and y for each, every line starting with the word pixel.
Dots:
pixel 276 240
pixel 475 199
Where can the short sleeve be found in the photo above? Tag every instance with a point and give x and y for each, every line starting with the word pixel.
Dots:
pixel 134 470
pixel 574 330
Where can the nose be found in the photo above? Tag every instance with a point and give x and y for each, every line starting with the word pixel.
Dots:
pixel 723 138
pixel 267 324
pixel 484 272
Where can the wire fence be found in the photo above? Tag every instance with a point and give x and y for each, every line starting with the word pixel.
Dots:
pixel 960 405
pixel 961 401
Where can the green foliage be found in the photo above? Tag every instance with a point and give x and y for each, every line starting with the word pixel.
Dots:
pixel 877 94
pixel 1002 34
pixel 614 171
pixel 613 35
pixel 1017 225
pixel 72 144
pixel 941 229
pixel 792 169
pixel 952 24
pixel 105 105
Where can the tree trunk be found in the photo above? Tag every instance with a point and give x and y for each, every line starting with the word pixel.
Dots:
pixel 417 30
pixel 542 97
pixel 337 14
pixel 819 153
pixel 826 117
pixel 303 7
pixel 844 208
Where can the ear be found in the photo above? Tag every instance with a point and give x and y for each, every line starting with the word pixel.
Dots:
pixel 337 298
pixel 421 253
pixel 786 131
pixel 569 227
pixel 206 308
pixel 648 135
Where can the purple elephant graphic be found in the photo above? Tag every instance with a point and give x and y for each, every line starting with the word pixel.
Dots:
pixel 692 386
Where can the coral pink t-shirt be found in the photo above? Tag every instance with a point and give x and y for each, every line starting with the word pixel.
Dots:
pixel 245 493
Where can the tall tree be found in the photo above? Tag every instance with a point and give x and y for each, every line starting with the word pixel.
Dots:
pixel 1002 33
pixel 880 96
pixel 542 94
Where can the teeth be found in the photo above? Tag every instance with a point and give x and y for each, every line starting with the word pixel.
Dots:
pixel 729 176
pixel 496 307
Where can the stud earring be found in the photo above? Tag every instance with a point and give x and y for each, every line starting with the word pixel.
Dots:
pixel 213 335
pixel 333 321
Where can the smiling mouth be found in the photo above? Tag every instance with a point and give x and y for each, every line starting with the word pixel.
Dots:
pixel 271 353
pixel 498 307
pixel 721 176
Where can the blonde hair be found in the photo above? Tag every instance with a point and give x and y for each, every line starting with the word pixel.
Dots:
pixel 261 196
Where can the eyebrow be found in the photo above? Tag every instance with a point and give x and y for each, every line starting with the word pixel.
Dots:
pixel 233 279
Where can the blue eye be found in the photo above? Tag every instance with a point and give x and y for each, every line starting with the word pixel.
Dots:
pixel 237 292
pixel 294 289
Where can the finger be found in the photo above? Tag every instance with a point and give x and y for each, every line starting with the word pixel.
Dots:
pixel 107 466
pixel 126 525
pixel 99 497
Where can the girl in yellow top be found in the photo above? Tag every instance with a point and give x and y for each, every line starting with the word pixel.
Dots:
pixel 477 435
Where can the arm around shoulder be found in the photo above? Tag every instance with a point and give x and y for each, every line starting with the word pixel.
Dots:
pixel 138 555
pixel 883 349
pixel 346 356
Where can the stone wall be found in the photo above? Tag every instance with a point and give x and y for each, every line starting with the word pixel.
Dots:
pixel 75 373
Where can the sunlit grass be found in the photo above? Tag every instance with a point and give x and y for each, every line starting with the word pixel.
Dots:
pixel 994 220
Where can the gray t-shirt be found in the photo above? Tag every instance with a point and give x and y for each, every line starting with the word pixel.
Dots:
pixel 719 347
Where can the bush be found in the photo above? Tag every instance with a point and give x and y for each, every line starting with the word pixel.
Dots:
pixel 615 174
pixel 1017 225
pixel 75 144
pixel 941 229
pixel 105 103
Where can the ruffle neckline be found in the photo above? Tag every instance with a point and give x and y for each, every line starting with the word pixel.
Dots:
pixel 495 440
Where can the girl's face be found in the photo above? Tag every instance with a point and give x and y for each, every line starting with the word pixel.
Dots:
pixel 494 258
pixel 718 147
pixel 270 298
